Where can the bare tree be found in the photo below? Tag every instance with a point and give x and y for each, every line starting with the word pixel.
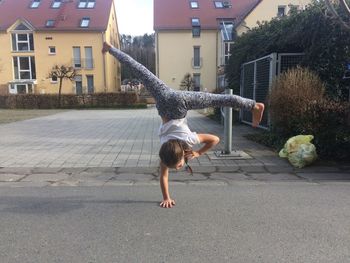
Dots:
pixel 61 72
pixel 344 7
pixel 187 83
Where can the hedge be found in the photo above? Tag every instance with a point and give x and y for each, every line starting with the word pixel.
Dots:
pixel 49 101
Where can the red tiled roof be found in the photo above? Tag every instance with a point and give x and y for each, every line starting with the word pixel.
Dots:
pixel 177 14
pixel 67 17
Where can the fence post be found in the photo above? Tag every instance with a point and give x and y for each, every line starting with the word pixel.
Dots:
pixel 228 126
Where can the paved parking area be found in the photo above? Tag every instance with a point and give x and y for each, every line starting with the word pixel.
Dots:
pixel 93 138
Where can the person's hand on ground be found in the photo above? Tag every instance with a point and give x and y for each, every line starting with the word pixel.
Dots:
pixel 167 203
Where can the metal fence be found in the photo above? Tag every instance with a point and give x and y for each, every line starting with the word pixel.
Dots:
pixel 257 77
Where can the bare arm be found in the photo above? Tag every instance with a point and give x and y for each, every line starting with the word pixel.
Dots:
pixel 164 186
pixel 209 141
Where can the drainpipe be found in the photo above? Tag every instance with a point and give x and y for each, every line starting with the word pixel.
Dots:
pixel 104 64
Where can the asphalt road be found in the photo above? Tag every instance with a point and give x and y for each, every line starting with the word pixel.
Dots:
pixel 247 221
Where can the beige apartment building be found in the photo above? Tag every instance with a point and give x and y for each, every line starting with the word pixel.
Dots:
pixel 195 36
pixel 35 35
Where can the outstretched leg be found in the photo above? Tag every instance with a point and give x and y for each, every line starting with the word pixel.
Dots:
pixel 201 100
pixel 154 85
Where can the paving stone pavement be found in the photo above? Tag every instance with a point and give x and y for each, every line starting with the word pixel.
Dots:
pixel 106 147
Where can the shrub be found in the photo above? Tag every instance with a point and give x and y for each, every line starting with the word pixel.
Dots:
pixel 291 94
pixel 48 101
pixel 298 106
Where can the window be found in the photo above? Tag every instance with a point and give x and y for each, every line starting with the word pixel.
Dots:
pixel 76 57
pixel 56 4
pixel 78 85
pixel 24 67
pixel 196 57
pixel 54 79
pixel 22 42
pixel 196 31
pixel 197 81
pixel 35 4
pixel 194 4
pixel 195 22
pixel 86 4
pixel 22 27
pixel 90 83
pixel 21 88
pixel 228 47
pixel 91 4
pixel 50 23
pixel 52 50
pixel 88 58
pixel 85 22
pixel 228 32
pixel 218 4
pixel 281 11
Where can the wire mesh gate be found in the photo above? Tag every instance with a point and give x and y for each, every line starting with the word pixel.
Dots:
pixel 257 77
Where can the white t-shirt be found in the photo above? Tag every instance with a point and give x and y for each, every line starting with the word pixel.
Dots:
pixel 177 129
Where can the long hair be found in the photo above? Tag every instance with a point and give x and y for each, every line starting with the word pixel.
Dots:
pixel 172 152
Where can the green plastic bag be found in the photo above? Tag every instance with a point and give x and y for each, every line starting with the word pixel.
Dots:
pixel 299 150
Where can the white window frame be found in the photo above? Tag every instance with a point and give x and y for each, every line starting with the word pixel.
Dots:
pixel 53 81
pixel 227 51
pixel 13 88
pixel 52 53
pixel 23 70
pixel 27 42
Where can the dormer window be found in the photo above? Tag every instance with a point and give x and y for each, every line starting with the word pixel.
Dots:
pixel 85 22
pixel 196 27
pixel 22 39
pixel 228 32
pixel 194 4
pixel 218 4
pixel 56 4
pixel 86 4
pixel 35 4
pixel 50 23
pixel 195 22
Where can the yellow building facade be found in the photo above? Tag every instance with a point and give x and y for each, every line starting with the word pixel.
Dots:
pixel 199 43
pixel 29 52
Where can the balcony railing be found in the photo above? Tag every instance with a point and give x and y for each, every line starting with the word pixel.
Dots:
pixel 197 63
pixel 86 63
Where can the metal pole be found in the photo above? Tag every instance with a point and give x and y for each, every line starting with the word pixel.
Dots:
pixel 228 126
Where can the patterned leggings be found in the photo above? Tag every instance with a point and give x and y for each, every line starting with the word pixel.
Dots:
pixel 174 104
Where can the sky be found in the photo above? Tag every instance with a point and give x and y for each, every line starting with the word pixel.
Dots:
pixel 135 17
